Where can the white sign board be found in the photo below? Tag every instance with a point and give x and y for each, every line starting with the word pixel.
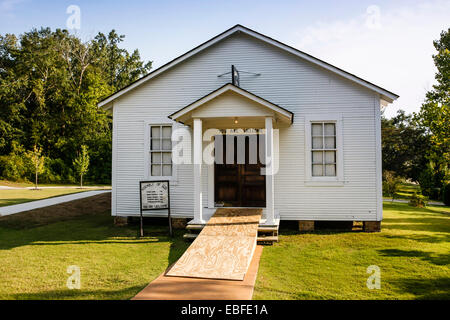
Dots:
pixel 154 195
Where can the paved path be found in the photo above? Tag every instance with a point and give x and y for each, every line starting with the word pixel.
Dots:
pixel 17 208
pixel 433 203
pixel 178 288
pixel 56 187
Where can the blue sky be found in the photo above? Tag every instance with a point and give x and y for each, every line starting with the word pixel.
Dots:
pixel 386 42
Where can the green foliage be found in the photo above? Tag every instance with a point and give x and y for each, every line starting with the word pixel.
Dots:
pixel 81 163
pixel 418 200
pixel 404 145
pixel 50 84
pixel 446 194
pixel 16 165
pixel 391 183
pixel 430 181
pixel 37 160
pixel 434 115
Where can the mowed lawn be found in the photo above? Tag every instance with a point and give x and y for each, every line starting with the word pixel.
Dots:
pixel 412 253
pixel 16 196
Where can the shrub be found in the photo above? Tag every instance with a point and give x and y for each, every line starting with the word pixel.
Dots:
pixel 418 200
pixel 391 183
pixel 446 194
pixel 15 166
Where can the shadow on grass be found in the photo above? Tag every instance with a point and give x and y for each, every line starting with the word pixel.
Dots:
pixel 425 289
pixel 437 259
pixel 122 294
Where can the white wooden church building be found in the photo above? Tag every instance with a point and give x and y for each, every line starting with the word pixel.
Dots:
pixel 244 120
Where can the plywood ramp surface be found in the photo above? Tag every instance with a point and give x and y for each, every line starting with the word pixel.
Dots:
pixel 223 249
pixel 178 288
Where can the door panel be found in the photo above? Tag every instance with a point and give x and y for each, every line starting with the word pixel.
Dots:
pixel 239 185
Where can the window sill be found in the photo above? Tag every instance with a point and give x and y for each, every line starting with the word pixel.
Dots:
pixel 324 183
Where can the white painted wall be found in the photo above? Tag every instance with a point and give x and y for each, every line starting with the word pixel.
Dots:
pixel 285 80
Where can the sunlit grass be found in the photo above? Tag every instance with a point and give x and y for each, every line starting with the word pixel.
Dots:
pixel 413 252
pixel 114 262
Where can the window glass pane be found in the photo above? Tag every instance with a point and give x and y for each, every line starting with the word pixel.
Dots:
pixel 167 144
pixel 156 144
pixel 317 143
pixel 330 129
pixel 167 170
pixel 317 157
pixel 317 170
pixel 330 170
pixel 317 129
pixel 167 132
pixel 330 143
pixel 167 158
pixel 156 170
pixel 330 157
pixel 155 132
pixel 156 157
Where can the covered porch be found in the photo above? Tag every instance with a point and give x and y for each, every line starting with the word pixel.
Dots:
pixel 240 174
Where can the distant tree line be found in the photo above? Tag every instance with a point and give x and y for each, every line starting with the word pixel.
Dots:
pixel 50 84
pixel 417 146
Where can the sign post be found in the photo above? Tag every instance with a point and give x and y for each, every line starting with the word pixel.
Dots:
pixel 155 195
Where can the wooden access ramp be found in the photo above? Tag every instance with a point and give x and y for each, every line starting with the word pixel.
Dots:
pixel 223 249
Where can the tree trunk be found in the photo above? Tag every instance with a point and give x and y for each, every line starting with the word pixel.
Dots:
pixel 36 180
pixel 81 182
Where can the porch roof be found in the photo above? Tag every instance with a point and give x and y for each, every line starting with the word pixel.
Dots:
pixel 231 101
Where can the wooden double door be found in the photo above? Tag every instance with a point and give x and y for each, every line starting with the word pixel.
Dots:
pixel 237 171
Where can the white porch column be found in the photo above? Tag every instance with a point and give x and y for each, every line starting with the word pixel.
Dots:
pixel 198 157
pixel 270 209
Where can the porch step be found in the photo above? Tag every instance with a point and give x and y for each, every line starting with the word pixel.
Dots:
pixel 190 236
pixel 267 240
pixel 266 234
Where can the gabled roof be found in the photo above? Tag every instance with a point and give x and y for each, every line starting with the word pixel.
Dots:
pixel 385 94
pixel 289 116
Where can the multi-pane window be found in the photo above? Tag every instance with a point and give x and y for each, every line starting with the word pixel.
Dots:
pixel 161 150
pixel 323 149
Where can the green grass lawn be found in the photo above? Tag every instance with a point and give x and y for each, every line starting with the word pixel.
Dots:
pixel 16 196
pixel 412 252
pixel 405 191
pixel 114 263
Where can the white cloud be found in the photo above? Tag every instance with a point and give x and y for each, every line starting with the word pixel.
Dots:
pixel 389 46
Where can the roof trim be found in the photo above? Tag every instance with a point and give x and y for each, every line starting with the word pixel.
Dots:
pixel 226 88
pixel 385 94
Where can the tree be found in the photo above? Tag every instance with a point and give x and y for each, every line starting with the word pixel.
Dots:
pixel 405 146
pixel 50 84
pixel 391 184
pixel 434 115
pixel 38 160
pixel 81 163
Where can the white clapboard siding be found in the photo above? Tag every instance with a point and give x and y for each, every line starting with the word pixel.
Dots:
pixel 285 80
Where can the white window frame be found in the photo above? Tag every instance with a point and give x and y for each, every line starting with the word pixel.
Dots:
pixel 311 180
pixel 147 152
